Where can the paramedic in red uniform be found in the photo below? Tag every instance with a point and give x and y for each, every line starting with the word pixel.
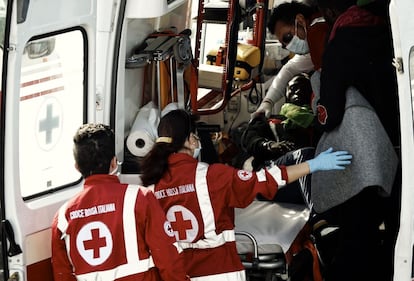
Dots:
pixel 111 231
pixel 199 199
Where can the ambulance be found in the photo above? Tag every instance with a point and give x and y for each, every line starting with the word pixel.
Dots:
pixel 65 63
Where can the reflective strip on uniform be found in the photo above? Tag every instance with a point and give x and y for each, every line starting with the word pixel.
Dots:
pixel 211 240
pixel 134 265
pixel 317 20
pixel 261 175
pixel 276 173
pixel 204 199
pixel 130 232
pixel 62 225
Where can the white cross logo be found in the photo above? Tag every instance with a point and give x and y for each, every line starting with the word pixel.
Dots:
pixel 183 222
pixel 49 123
pixel 244 175
pixel 94 243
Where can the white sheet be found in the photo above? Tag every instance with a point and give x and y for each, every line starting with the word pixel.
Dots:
pixel 273 225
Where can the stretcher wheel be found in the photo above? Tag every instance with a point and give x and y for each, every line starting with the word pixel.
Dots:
pixel 182 50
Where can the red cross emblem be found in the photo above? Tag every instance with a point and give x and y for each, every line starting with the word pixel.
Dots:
pixel 322 114
pixel 183 222
pixel 244 175
pixel 95 243
pixel 181 225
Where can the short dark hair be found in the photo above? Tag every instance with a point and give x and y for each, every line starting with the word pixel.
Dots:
pixel 94 148
pixel 302 88
pixel 286 12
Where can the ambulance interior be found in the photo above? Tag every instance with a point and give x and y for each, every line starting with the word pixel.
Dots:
pixel 189 65
pixel 214 58
pixel 204 56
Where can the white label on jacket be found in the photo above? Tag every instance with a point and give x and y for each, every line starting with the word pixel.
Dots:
pixel 94 242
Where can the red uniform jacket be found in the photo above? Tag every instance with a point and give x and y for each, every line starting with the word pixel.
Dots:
pixel 112 231
pixel 199 201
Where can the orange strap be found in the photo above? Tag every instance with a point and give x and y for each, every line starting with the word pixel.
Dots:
pixel 302 241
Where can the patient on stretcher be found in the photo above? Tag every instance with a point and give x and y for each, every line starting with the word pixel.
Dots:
pixel 281 227
pixel 270 138
pixel 283 139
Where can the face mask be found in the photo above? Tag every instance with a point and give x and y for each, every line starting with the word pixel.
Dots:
pixel 297 45
pixel 197 150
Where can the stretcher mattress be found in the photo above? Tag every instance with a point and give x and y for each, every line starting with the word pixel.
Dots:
pixel 274 225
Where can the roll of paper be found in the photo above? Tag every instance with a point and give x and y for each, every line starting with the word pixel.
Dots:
pixel 169 107
pixel 143 131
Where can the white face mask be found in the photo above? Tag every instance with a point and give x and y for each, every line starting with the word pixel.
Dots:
pixel 197 150
pixel 297 45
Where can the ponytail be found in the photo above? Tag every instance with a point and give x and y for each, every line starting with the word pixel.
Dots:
pixel 155 163
pixel 173 130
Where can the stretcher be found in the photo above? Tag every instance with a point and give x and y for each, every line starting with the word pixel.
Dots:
pixel 264 233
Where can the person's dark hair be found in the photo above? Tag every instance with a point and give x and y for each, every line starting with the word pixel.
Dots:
pixel 286 12
pixel 177 125
pixel 93 149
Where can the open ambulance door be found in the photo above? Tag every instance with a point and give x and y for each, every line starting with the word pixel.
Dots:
pixel 47 92
pixel 402 23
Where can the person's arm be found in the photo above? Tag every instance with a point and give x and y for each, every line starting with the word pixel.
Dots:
pixel 297 171
pixel 325 161
pixel 161 241
pixel 296 65
pixel 338 70
pixel 240 187
pixel 61 266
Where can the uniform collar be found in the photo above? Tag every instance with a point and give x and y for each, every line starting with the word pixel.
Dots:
pixel 180 157
pixel 100 179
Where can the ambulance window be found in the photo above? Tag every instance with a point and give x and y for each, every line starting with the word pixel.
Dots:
pixel 51 108
pixel 2 20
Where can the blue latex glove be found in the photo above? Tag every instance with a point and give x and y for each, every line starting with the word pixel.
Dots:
pixel 330 160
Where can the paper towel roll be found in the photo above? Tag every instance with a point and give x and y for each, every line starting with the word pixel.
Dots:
pixel 169 107
pixel 144 130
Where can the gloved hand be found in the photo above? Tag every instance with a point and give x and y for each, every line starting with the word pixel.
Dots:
pixel 265 107
pixel 330 160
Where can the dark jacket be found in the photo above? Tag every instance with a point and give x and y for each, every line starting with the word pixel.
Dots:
pixel 374 161
pixel 359 54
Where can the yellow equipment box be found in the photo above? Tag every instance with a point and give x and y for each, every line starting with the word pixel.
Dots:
pixel 248 57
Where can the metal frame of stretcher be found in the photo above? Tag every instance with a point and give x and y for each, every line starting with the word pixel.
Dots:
pixel 270 265
pixel 264 233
